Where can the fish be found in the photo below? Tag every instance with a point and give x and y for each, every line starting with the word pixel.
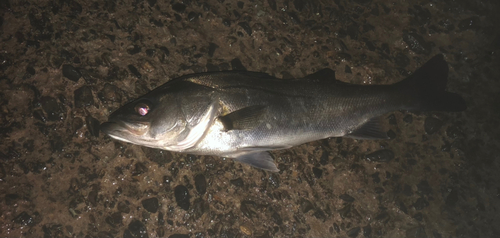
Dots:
pixel 243 115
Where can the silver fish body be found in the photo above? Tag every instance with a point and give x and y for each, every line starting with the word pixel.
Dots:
pixel 243 115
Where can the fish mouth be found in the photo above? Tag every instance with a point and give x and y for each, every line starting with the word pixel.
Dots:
pixel 122 130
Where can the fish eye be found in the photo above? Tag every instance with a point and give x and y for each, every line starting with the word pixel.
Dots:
pixel 142 109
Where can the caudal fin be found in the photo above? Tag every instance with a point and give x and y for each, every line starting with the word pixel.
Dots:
pixel 427 88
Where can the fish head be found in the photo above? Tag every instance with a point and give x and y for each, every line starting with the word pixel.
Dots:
pixel 155 120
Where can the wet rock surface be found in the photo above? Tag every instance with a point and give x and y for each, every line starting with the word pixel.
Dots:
pixel 66 65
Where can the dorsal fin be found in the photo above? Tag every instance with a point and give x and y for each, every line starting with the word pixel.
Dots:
pixel 325 74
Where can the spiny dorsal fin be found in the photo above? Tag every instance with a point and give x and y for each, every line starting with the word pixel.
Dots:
pixel 372 129
pixel 323 75
pixel 244 119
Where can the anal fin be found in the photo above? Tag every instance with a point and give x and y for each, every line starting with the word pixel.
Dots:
pixel 262 160
pixel 371 130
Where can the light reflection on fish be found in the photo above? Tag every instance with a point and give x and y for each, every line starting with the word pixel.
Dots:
pixel 243 115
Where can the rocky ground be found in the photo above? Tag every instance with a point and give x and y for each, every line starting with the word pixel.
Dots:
pixel 66 65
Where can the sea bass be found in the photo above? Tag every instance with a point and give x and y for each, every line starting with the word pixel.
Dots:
pixel 243 115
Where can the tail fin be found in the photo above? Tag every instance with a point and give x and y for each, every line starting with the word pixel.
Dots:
pixel 427 87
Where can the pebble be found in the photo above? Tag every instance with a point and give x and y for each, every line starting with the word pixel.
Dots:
pixel 139 169
pixel 416 232
pixel 454 132
pixel 294 17
pixel 192 16
pixel 424 187
pixel 134 49
pixel 432 125
pixel 33 43
pixel 211 49
pixel 206 7
pixel 277 218
pixel 367 231
pixel 240 4
pixel 420 204
pixel 272 4
pixel 416 43
pixel 408 118
pixel 305 205
pixel 245 230
pixel 179 7
pixel 237 182
pixel 248 208
pixel 407 191
pixel 471 23
pixel 384 155
pixel 354 232
pixel 237 65
pixel 151 204
pixel 317 172
pixel 418 216
pixel 52 108
pixel 320 215
pixel 246 27
pixel 182 197
pixel 274 179
pixel 115 219
pixel 92 126
pixel 391 134
pixel 179 236
pixel 165 50
pixel 57 144
pixel 30 70
pixel 375 177
pixel 347 69
pixel 137 229
pixel 134 71
pixel 71 73
pixel 110 93
pixel 83 97
pixel 24 219
pixel 90 77
pixel 402 207
pixel 161 157
pixel 421 16
pixel 123 206
pixel 323 160
pixel 200 183
pixel 346 198
pixel 345 211
pixel 11 199
pixel 452 198
pixel 382 216
pixel 150 52
pixel 299 4
pixel 152 3
pixel 402 60
pixel 199 207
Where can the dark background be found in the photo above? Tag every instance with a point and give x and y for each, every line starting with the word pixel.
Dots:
pixel 65 65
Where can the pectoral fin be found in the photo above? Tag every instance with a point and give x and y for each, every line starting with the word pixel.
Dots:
pixel 244 119
pixel 372 129
pixel 262 160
